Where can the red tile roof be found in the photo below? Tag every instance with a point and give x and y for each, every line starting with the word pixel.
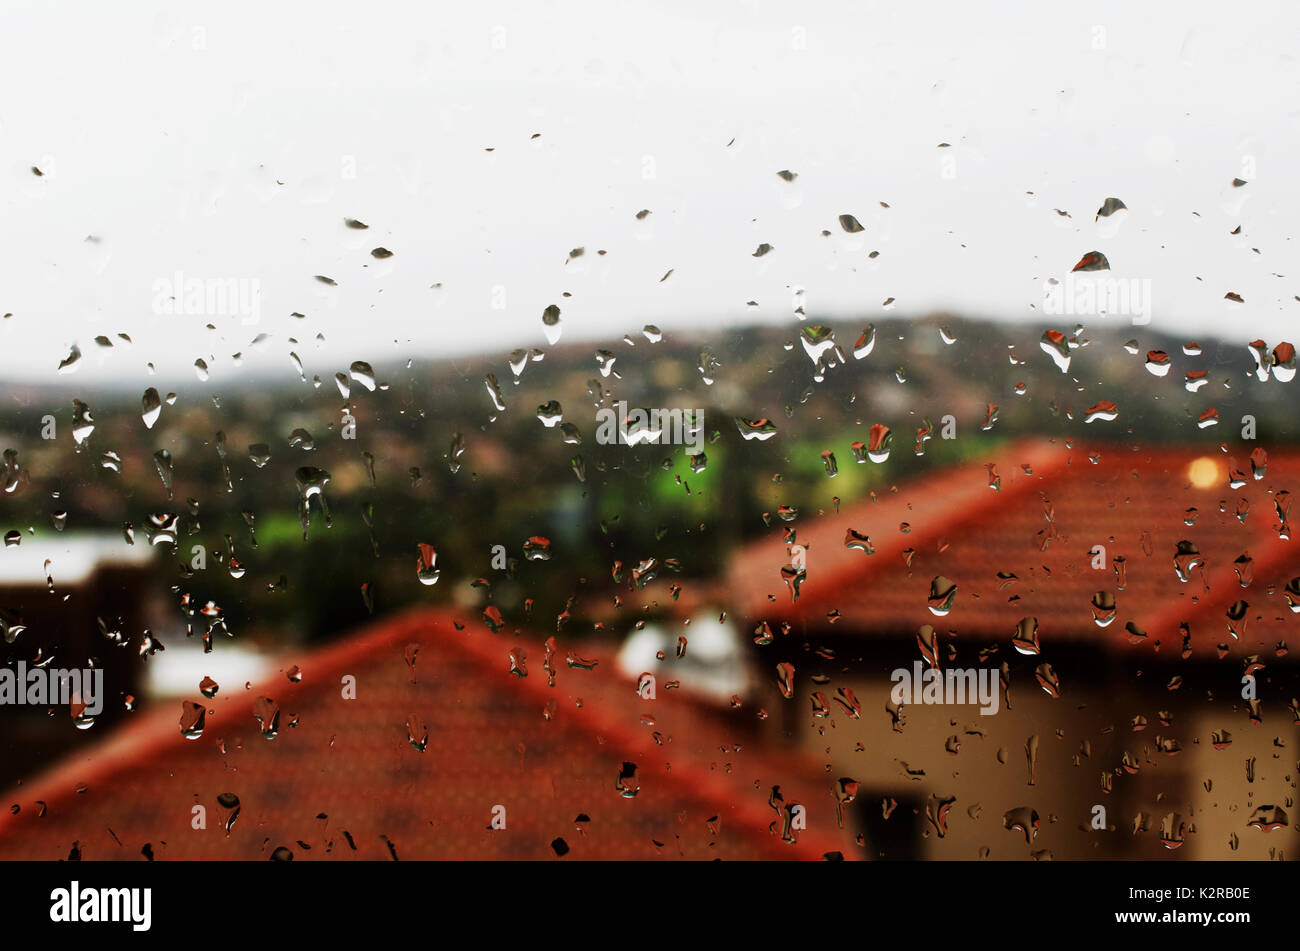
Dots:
pixel 1042 526
pixel 343 770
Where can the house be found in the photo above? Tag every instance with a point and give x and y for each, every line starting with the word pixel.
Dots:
pixel 422 737
pixel 1121 592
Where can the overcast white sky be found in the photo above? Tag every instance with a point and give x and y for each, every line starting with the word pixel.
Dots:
pixel 218 139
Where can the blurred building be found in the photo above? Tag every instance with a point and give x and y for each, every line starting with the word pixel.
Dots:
pixel 83 597
pixel 1121 595
pixel 426 738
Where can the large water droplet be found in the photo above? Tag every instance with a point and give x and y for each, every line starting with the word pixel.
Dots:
pixel 193 718
pixel 551 324
pixel 425 569
pixel 942 593
pixel 151 407
pixel 760 429
pixel 361 372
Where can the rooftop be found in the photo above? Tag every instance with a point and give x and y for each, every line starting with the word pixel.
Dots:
pixel 1027 548
pixel 343 777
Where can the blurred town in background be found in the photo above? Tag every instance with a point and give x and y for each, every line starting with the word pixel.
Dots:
pixel 196 536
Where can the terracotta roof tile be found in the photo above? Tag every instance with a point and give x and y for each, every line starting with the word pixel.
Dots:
pixel 1042 527
pixel 489 743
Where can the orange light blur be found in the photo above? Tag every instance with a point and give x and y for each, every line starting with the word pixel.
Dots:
pixel 1204 472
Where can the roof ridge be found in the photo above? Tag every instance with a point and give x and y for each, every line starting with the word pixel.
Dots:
pixel 155 733
pixel 152 732
pixel 699 783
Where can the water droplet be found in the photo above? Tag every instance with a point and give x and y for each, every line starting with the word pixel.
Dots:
pixel 228 805
pixel 1292 594
pixel 1048 680
pixel 151 405
pixel 1259 350
pixel 1025 639
pixel 1057 346
pixel 1103 608
pixel 879 443
pixel 627 783
pixel 1021 819
pixel 942 593
pixel 82 718
pixel 1109 207
pixel 537 548
pixel 1158 363
pixel 1244 566
pixel 494 392
pixel 551 324
pixel 1237 618
pixel 1284 362
pixel 425 569
pixel 866 343
pixel 193 718
pixel 417 733
pixel 162 460
pixel 83 424
pixel 937 809
pixel 455 451
pixel 1092 261
pixel 1186 557
pixel 69 363
pixel 1103 410
pixel 361 372
pixel 163 528
pixel 785 679
pixel 819 344
pixel 1258 463
pixel 1268 818
pixel 793 577
pixel 857 541
pixel 267 713
pixel 550 413
pixel 311 482
pixel 760 429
